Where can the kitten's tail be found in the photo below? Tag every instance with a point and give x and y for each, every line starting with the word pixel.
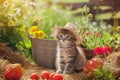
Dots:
pixel 81 59
pixel 81 52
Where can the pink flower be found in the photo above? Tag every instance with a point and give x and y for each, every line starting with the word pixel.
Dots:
pixel 98 50
pixel 87 32
pixel 96 34
pixel 106 49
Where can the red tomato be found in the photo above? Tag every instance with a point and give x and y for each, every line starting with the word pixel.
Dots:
pixel 57 77
pixel 13 72
pixel 102 63
pixel 97 61
pixel 89 65
pixel 85 70
pixel 95 64
pixel 45 75
pixel 89 75
pixel 51 76
pixel 34 76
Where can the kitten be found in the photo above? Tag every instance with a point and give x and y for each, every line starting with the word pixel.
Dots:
pixel 70 57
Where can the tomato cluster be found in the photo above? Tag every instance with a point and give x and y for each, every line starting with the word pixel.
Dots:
pixel 15 72
pixel 91 65
pixel 47 76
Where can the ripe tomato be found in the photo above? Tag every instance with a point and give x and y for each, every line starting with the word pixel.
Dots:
pixel 45 75
pixel 34 76
pixel 92 64
pixel 97 61
pixel 85 70
pixel 13 72
pixel 89 75
pixel 57 77
pixel 51 76
pixel 89 65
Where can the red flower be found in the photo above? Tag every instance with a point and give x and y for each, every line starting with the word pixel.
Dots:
pixel 106 49
pixel 99 50
pixel 87 32
pixel 96 34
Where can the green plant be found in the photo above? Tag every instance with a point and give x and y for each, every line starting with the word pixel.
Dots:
pixel 115 40
pixel 11 23
pixel 95 39
pixel 102 73
pixel 94 33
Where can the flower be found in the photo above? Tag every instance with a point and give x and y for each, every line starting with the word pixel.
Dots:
pixel 5 4
pixel 96 34
pixel 11 23
pixel 106 49
pixel 118 28
pixel 41 34
pixel 35 34
pixel 33 29
pixel 98 50
pixel 87 32
pixel 90 16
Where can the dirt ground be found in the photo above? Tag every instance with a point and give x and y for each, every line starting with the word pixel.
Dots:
pixel 39 70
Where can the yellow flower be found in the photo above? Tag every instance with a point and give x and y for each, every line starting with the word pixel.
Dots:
pixel 33 29
pixel 11 23
pixel 90 16
pixel 41 34
pixel 118 28
pixel 36 34
pixel 5 4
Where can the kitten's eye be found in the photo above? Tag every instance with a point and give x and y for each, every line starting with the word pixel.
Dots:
pixel 60 36
pixel 73 39
pixel 67 37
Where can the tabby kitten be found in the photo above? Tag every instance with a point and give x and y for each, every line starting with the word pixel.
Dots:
pixel 69 56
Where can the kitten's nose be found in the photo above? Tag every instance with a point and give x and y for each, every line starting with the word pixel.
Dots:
pixel 63 40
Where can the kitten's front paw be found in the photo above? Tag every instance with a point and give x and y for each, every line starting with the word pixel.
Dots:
pixel 59 71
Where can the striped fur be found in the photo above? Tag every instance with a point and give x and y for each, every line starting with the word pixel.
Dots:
pixel 69 56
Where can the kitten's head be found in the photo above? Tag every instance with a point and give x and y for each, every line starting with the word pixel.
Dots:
pixel 66 35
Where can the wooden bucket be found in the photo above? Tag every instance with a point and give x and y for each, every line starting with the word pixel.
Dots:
pixel 44 52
